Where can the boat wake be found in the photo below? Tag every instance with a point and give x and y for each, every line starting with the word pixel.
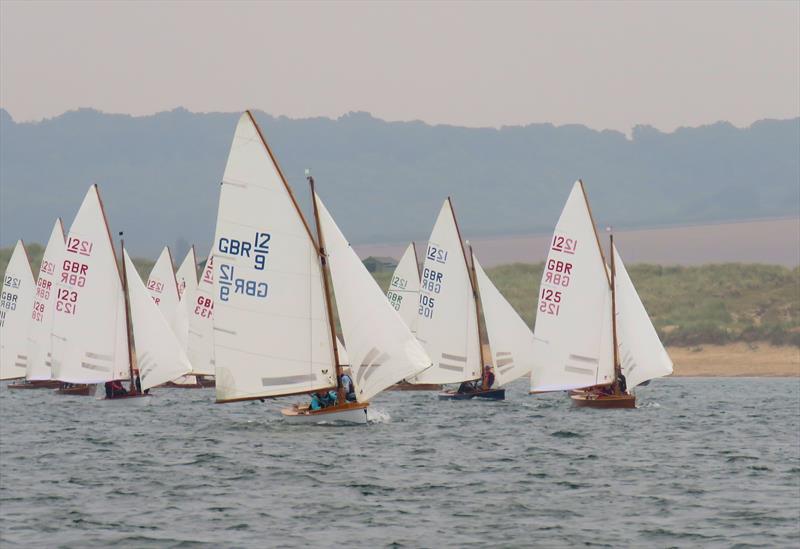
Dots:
pixel 378 416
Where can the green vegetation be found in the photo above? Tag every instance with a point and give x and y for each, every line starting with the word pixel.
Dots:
pixel 689 305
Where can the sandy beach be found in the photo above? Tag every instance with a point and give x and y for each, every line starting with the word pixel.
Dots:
pixel 736 360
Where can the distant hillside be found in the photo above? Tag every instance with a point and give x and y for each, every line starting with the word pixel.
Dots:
pixel 688 305
pixel 385 181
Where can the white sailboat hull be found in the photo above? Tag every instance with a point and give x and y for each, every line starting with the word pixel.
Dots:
pixel 127 402
pixel 301 415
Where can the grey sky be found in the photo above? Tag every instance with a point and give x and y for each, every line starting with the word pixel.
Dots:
pixel 607 65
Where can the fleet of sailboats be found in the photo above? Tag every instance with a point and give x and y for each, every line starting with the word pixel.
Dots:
pixel 261 320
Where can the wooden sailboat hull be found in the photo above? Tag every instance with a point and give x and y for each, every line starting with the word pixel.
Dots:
pixel 406 386
pixel 171 385
pixel 594 400
pixel 77 390
pixel 350 412
pixel 137 400
pixel 43 384
pixel 491 394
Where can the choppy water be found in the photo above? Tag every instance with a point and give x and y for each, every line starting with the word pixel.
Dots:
pixel 701 462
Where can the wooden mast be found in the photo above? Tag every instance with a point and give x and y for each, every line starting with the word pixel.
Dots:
pixel 471 283
pixel 478 311
pixel 617 388
pixel 133 388
pixel 416 261
pixel 340 396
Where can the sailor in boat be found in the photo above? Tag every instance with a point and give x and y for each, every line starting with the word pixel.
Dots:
pixel 347 385
pixel 114 389
pixel 488 377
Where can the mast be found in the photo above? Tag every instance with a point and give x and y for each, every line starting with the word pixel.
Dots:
pixel 478 309
pixel 594 228
pixel 471 271
pixel 340 396
pixel 416 261
pixel 127 312
pixel 614 317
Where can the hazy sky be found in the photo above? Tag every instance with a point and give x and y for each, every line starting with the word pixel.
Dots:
pixel 606 65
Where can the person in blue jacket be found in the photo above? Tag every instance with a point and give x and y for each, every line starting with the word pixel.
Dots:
pixel 347 385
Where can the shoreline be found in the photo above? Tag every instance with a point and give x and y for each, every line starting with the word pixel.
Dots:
pixel 736 360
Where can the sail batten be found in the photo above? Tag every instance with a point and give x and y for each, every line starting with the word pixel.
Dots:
pixel 573 336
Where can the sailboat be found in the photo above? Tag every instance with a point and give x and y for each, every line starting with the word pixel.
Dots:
pixel 511 342
pixel 39 373
pixel 90 333
pixel 447 316
pixel 159 355
pixel 588 317
pixel 274 333
pixel 165 290
pixel 403 294
pixel 199 302
pixel 16 304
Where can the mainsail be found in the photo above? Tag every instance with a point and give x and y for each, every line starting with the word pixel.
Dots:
pixel 381 348
pixel 200 304
pixel 89 334
pixel 39 355
pixel 271 329
pixel 510 339
pixel 573 337
pixel 447 323
pixel 16 304
pixel 403 291
pixel 159 356
pixel 641 354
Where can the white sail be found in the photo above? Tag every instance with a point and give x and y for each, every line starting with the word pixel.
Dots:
pixel 447 323
pixel 200 308
pixel 89 334
pixel 163 288
pixel 271 330
pixel 641 354
pixel 403 291
pixel 187 274
pixel 574 346
pixel 39 355
pixel 16 304
pixel 510 339
pixel 159 356
pixel 344 359
pixel 381 348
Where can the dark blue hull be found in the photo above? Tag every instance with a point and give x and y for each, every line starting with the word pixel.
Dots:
pixel 491 394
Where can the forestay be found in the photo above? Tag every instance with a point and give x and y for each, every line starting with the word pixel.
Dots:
pixel 89 336
pixel 573 337
pixel 159 356
pixel 39 354
pixel 16 304
pixel 403 291
pixel 447 323
pixel 510 339
pixel 641 354
pixel 381 348
pixel 200 308
pixel 271 330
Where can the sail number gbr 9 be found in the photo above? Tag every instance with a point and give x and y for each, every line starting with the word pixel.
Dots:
pixel 257 249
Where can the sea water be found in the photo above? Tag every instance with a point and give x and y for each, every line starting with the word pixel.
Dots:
pixel 699 463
